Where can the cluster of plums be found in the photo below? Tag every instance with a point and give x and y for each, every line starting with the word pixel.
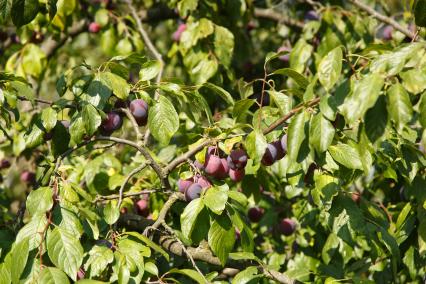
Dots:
pixel 275 151
pixel 113 121
pixel 27 177
pixel 286 226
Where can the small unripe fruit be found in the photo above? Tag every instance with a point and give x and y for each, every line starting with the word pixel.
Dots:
pixel 178 33
pixel 139 110
pixel 94 27
pixel 287 226
pixel 28 177
pixel 237 159
pixel 193 192
pixel 236 175
pixel 4 164
pixel 112 122
pixel 183 184
pixel 142 207
pixel 270 155
pixel 255 214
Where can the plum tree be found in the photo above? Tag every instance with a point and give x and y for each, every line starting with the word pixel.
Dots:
pixel 94 27
pixel 183 184
pixel 287 226
pixel 236 175
pixel 142 207
pixel 193 192
pixel 139 110
pixel 28 177
pixel 270 156
pixel 255 214
pixel 112 122
pixel 4 164
pixel 237 159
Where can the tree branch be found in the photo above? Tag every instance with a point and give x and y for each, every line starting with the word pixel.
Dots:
pixel 135 125
pixel 123 185
pixel 129 194
pixel 291 113
pixel 383 18
pixel 185 156
pixel 275 16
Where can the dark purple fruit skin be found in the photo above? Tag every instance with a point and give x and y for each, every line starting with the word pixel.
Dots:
pixel 4 164
pixel 280 151
pixel 212 164
pixel 94 27
pixel 203 181
pixel 287 226
pixel 236 175
pixel 285 57
pixel 255 214
pixel 139 110
pixel 28 177
pixel 198 165
pixel 387 32
pixel 237 159
pixel 142 207
pixel 193 192
pixel 112 122
pixel 270 155
pixel 183 184
pixel 311 16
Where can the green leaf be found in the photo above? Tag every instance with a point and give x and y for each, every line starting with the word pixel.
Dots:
pixel 330 247
pixel 150 243
pixel 48 118
pixel 97 93
pixel 226 96
pixel 376 120
pixel 221 238
pixel 24 11
pixel 99 258
pixel 35 137
pixel 18 259
pixel 296 135
pixel 111 212
pixel 300 55
pixel 4 9
pixel 414 80
pixel 256 146
pixel 296 76
pixel 241 107
pixel 32 231
pixel 422 110
pixel 215 199
pixel 243 256
pixel 321 133
pixel 399 105
pixel 330 67
pixel 65 251
pixel 420 13
pixel 223 44
pixel 193 274
pixel 163 120
pixel 346 155
pixel 149 70
pixel 91 118
pixel 189 216
pixel 364 96
pixel 52 275
pixel 77 129
pixel 246 275
pixel 40 200
pixel 117 84
pixel 186 6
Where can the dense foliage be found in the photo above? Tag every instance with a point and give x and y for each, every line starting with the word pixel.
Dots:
pixel 212 141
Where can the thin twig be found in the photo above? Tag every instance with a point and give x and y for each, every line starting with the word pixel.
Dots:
pixel 276 16
pixel 123 185
pixel 129 194
pixel 163 212
pixel 151 47
pixel 383 18
pixel 291 113
pixel 135 125
pixel 171 232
